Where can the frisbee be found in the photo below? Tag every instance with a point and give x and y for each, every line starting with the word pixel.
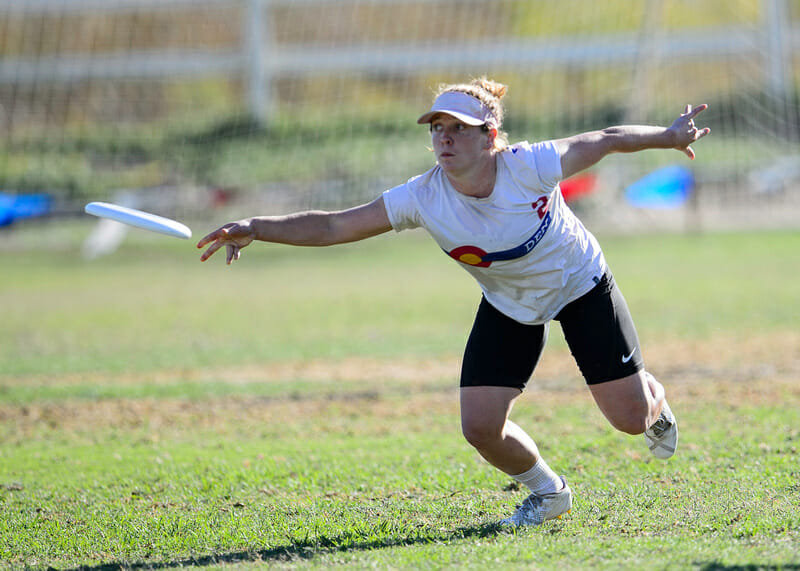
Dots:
pixel 139 219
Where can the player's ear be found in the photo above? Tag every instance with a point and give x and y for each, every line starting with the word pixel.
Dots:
pixel 492 135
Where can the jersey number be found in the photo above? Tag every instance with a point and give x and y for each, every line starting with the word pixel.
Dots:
pixel 540 206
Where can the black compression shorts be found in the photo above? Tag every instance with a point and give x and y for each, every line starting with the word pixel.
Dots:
pixel 598 328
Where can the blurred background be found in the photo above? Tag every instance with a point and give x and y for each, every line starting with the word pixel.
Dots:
pixel 209 109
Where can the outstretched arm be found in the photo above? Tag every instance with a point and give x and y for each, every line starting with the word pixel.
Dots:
pixel 582 151
pixel 311 228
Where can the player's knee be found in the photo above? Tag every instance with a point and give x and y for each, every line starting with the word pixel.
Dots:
pixel 480 434
pixel 632 422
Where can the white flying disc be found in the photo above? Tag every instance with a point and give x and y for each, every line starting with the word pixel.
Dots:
pixel 138 218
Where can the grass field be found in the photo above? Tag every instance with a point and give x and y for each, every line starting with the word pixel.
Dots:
pixel 299 410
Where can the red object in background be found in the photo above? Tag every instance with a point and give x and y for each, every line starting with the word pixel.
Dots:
pixel 220 197
pixel 578 186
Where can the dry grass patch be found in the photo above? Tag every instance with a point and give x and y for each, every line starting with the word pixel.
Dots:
pixel 354 392
pixel 401 391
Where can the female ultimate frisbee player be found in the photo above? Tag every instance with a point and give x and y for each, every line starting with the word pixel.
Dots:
pixel 498 211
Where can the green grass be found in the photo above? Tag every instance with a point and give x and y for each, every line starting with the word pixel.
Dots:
pixel 156 412
pixel 694 286
pixel 307 492
pixel 153 306
pixel 145 309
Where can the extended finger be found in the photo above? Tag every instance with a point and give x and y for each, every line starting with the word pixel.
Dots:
pixel 208 238
pixel 688 109
pixel 210 252
pixel 692 113
pixel 218 234
pixel 233 253
pixel 702 133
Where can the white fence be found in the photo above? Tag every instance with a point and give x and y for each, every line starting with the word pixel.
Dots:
pixel 259 60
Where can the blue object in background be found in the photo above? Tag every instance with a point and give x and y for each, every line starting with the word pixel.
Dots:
pixel 16 206
pixel 667 187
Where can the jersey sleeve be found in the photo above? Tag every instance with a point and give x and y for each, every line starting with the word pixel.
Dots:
pixel 548 163
pixel 402 206
pixel 535 165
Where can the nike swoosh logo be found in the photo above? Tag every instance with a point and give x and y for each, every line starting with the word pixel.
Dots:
pixel 626 358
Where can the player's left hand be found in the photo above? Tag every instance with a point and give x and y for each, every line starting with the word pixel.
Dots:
pixel 686 132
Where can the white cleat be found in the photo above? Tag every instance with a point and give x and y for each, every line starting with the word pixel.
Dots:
pixel 535 510
pixel 662 437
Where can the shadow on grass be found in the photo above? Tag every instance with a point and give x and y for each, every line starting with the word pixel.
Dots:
pixel 716 566
pixel 298 550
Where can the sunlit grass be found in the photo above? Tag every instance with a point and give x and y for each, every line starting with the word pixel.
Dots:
pixel 299 409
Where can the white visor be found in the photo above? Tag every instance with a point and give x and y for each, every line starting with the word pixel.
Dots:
pixel 463 107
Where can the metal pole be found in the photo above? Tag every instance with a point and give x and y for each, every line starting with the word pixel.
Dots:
pixel 776 20
pixel 257 86
pixel 648 57
pixel 780 81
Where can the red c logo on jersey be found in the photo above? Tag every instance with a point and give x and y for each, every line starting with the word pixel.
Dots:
pixel 470 255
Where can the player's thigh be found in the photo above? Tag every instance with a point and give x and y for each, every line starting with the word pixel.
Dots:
pixel 601 335
pixel 501 351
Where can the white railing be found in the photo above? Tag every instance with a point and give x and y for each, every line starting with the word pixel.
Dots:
pixel 259 60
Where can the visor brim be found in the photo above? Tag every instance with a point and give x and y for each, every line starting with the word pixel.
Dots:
pixel 464 118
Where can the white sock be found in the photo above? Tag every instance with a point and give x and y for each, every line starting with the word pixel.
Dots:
pixel 540 479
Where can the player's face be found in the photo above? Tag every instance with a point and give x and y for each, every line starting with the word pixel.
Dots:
pixel 458 146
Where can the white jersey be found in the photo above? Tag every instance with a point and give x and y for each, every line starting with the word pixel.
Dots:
pixel 525 247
